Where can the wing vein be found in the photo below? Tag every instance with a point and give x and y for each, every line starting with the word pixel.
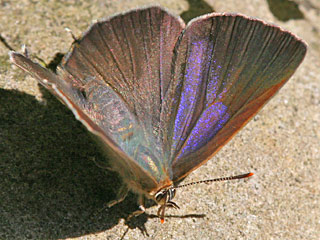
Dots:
pixel 130 51
pixel 112 55
pixel 262 50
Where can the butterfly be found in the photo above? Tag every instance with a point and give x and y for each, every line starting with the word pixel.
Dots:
pixel 163 97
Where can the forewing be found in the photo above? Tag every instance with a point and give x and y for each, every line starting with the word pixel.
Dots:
pixel 114 80
pixel 226 68
pixel 132 54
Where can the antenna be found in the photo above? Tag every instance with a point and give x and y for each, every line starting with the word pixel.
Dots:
pixel 246 175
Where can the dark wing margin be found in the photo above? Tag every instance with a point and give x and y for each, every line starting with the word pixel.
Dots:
pixel 227 66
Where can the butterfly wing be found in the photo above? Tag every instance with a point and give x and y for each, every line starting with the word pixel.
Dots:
pixel 132 54
pixel 114 81
pixel 73 99
pixel 226 68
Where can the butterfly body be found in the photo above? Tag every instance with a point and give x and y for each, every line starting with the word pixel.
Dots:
pixel 161 97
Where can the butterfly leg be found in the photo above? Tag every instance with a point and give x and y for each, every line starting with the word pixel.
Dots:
pixel 141 209
pixel 121 195
pixel 102 165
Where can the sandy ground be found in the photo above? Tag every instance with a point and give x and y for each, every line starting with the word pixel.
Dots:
pixel 51 189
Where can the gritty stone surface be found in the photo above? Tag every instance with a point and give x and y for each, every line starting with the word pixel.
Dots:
pixel 51 188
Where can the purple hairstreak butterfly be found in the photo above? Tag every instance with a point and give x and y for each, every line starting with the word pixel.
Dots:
pixel 162 97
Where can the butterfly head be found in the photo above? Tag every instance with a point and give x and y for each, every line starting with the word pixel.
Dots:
pixel 163 197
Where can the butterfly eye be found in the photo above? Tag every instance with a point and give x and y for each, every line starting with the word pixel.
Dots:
pixel 165 195
pixel 160 195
